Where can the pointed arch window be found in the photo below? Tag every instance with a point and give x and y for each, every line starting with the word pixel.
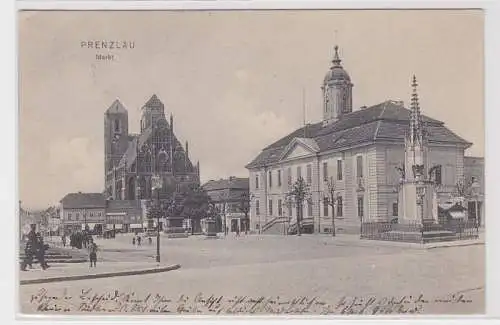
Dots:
pixel 117 126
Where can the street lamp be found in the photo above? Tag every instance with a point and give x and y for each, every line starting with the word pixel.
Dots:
pixel 157 185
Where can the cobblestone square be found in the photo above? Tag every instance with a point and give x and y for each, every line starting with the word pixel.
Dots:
pixel 317 267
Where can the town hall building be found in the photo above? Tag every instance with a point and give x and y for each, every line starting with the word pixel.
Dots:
pixel 360 152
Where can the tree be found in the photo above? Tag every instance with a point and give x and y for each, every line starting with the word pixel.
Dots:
pixel 244 207
pixel 195 205
pixel 463 188
pixel 299 193
pixel 331 199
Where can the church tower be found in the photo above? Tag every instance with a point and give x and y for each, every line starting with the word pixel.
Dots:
pixel 115 135
pixel 337 91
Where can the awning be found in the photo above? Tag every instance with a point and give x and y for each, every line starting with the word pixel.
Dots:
pixel 116 214
pixel 457 214
pixel 91 225
pixel 136 226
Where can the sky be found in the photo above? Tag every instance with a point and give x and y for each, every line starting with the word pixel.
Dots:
pixel 233 80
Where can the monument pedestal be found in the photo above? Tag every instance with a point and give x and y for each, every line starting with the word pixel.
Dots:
pixel 418 203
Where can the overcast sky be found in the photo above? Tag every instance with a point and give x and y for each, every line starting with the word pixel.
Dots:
pixel 233 81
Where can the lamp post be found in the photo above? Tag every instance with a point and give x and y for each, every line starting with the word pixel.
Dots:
pixel 157 184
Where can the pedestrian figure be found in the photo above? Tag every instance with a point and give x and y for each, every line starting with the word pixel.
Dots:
pixel 64 240
pixel 93 253
pixel 138 240
pixel 40 251
pixel 28 256
pixel 133 240
pixel 237 231
pixel 150 240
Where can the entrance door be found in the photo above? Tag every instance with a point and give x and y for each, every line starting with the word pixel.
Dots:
pixel 234 225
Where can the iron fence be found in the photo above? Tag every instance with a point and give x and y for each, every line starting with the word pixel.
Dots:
pixel 420 233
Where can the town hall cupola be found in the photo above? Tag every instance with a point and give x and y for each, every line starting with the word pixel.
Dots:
pixel 337 91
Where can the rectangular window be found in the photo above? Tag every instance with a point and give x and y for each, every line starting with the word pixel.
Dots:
pixel 279 177
pixel 326 203
pixel 91 214
pixel 439 179
pixel 270 207
pixel 395 211
pixel 290 210
pixel 256 181
pixel 257 207
pixel 289 176
pixel 69 216
pixel 280 208
pixel 325 171
pixel 339 170
pixel 309 174
pixel 360 206
pixel 270 179
pixel 359 166
pixel 339 206
pixel 309 208
pixel 299 172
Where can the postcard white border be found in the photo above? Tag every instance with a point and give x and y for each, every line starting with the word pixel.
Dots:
pixel 8 130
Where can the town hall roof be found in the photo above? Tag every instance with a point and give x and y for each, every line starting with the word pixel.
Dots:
pixel 387 121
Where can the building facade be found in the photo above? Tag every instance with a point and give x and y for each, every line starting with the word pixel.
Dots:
pixel 79 210
pixel 474 175
pixel 229 197
pixel 360 153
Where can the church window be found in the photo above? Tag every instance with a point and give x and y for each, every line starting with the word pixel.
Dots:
pixel 438 176
pixel 360 207
pixel 279 177
pixel 289 176
pixel 270 179
pixel 270 207
pixel 339 206
pixel 290 210
pixel 359 166
pixel 395 211
pixel 309 208
pixel 257 181
pixel 309 174
pixel 280 208
pixel 299 172
pixel 339 170
pixel 325 171
pixel 257 207
pixel 117 126
pixel 69 216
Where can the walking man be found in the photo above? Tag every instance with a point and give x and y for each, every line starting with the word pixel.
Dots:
pixel 93 254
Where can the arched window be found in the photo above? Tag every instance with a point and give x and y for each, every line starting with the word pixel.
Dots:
pixel 117 126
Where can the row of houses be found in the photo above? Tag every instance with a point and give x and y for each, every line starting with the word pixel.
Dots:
pixel 80 210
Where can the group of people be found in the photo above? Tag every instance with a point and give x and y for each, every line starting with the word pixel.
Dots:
pixel 77 240
pixel 137 239
pixel 35 247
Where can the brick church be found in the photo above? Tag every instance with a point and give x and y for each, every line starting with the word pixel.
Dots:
pixel 130 160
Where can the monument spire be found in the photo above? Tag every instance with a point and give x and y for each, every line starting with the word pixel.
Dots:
pixel 416 125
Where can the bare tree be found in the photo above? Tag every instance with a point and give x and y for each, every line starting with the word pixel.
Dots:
pixel 331 199
pixel 299 194
pixel 244 207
